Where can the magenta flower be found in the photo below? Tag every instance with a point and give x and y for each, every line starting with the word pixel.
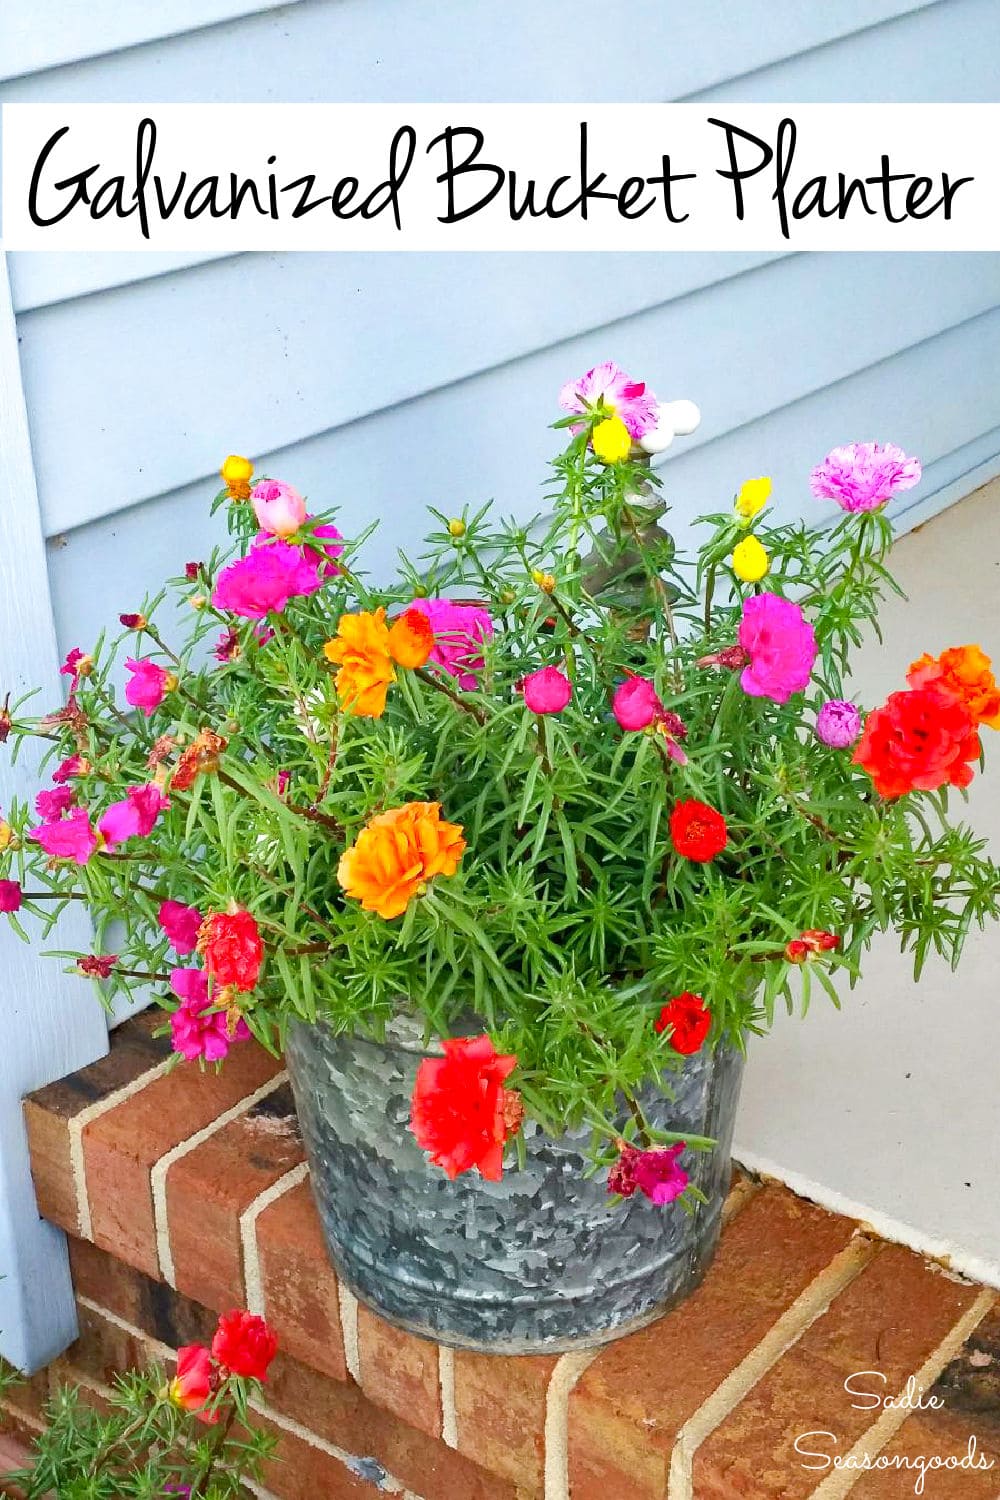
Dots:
pixel 838 724
pixel 331 546
pixel 148 685
pixel 135 817
pixel 196 1029
pixel 654 1173
pixel 547 691
pixel 10 896
pixel 781 644
pixel 71 838
pixel 622 397
pixel 458 631
pixel 67 769
pixel 227 647
pixel 636 703
pixel 50 805
pixel 71 666
pixel 96 965
pixel 863 476
pixel 265 580
pixel 181 924
pixel 279 509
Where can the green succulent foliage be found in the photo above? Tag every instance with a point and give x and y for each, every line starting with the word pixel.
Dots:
pixel 571 918
pixel 140 1445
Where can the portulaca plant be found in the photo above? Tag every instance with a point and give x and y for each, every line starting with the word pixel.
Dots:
pixel 613 803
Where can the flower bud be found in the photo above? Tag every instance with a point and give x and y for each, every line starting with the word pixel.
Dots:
pixel 133 622
pixel 456 527
pixel 750 560
pixel 611 441
pixel 279 509
pixel 545 581
pixel 236 473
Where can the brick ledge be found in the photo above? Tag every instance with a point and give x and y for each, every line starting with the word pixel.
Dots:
pixel 188 1194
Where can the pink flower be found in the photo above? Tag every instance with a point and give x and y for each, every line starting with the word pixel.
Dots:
pixel 67 769
pixel 636 703
pixel 135 817
pixel 331 546
pixel 181 924
pixel 279 509
pixel 10 896
pixel 622 397
pixel 148 685
pixel 781 644
pixel 458 630
pixel 654 1173
pixel 227 647
pixel 71 838
pixel 838 724
pixel 863 476
pixel 96 965
pixel 265 580
pixel 50 806
pixel 71 666
pixel 547 691
pixel 196 1029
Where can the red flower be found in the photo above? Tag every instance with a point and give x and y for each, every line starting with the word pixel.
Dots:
pixel 918 741
pixel 698 832
pixel 231 944
pixel 689 1019
pixel 133 621
pixel 461 1113
pixel 96 965
pixel 194 1382
pixel 802 948
pixel 244 1344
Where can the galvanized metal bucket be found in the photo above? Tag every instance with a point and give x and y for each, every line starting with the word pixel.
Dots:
pixel 541 1262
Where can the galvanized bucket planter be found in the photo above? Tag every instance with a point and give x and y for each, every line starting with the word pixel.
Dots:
pixel 541 1262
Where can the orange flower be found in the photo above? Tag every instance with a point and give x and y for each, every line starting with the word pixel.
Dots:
pixel 964 672
pixel 411 638
pixel 395 854
pixel 200 757
pixel 361 649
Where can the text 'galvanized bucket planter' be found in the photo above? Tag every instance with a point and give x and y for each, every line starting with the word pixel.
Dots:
pixel 540 1262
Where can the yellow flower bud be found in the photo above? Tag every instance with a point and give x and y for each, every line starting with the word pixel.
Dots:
pixel 545 581
pixel 456 527
pixel 750 560
pixel 6 835
pixel 198 601
pixel 753 496
pixel 611 441
pixel 236 470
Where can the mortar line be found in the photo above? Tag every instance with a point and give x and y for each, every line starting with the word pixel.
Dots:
pixel 78 1123
pixel 252 1276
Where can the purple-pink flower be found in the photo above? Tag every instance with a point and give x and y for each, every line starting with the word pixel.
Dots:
pixel 10 896
pixel 135 817
pixel 863 476
pixel 781 644
pixel 546 691
pixel 279 508
pixel 180 923
pixel 71 838
pixel 265 580
pixel 197 1030
pixel 838 724
pixel 654 1173
pixel 636 703
pixel 67 769
pixel 148 685
pixel 459 630
pixel 331 546
pixel 50 805
pixel 623 397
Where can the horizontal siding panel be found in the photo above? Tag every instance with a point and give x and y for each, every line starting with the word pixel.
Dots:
pixel 265 352
pixel 434 50
pixel 73 30
pixel 39 278
pixel 486 437
pixel 949 52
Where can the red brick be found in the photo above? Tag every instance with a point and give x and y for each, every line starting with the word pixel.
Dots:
pixel 47 1112
pixel 301 1301
pixel 208 1189
pixel 888 1320
pixel 500 1403
pixel 400 1372
pixel 300 1471
pixel 339 1412
pixel 151 1305
pixel 629 1405
pixel 121 1148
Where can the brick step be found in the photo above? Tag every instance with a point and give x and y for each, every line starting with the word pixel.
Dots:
pixel 185 1195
